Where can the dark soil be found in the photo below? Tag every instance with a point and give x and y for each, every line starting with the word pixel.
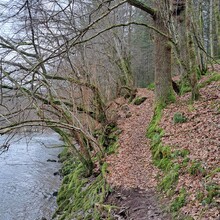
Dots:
pixel 136 204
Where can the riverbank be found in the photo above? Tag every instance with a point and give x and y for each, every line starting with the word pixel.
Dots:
pixel 80 196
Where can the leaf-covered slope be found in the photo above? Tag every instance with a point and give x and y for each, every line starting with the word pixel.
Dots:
pixel 192 129
pixel 200 135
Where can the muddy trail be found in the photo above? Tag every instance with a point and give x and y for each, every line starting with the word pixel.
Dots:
pixel 131 171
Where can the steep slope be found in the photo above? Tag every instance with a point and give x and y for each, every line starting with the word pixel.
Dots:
pixel 200 136
pixel 192 134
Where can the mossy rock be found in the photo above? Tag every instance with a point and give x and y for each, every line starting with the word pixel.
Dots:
pixel 78 195
pixel 139 100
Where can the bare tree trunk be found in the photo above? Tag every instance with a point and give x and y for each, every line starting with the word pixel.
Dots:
pixel 211 29
pixel 163 81
pixel 217 29
pixel 191 59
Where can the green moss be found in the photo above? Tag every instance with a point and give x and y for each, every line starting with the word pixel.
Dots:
pixel 69 165
pixel 162 155
pixel 171 98
pixel 64 155
pixel 214 77
pixel 78 195
pixel 139 100
pixel 200 196
pixel 170 179
pixel 179 201
pixel 185 87
pixel 109 138
pixel 179 118
pixel 110 141
pixel 185 162
pixel 161 152
pixel 180 153
pixel 196 169
pixel 112 148
pixel 151 86
pixel 191 107
pixel 153 128
pixel 164 164
pixel 213 172
pixel 213 192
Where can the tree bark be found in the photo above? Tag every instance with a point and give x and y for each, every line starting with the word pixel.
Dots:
pixel 211 43
pixel 163 81
pixel 191 58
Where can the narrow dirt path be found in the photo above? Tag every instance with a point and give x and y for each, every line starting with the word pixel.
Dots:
pixel 130 170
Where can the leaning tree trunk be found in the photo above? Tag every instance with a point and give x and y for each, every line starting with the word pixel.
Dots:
pixel 163 82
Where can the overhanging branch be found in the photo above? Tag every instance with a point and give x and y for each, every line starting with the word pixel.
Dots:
pixel 143 6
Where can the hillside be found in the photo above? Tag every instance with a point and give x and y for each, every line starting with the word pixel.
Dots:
pixel 181 160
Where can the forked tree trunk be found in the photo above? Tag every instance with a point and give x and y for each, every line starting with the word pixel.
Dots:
pixel 163 81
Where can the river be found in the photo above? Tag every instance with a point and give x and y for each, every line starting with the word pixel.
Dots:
pixel 27 180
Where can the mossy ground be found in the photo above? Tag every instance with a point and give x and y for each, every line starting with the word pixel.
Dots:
pixel 164 158
pixel 212 76
pixel 82 197
pixel 174 162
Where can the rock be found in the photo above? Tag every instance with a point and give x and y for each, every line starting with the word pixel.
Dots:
pixel 125 108
pixel 51 160
pixel 56 173
pixel 55 193
pixel 43 218
pixel 139 100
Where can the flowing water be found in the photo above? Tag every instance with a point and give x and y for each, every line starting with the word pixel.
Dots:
pixel 27 180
